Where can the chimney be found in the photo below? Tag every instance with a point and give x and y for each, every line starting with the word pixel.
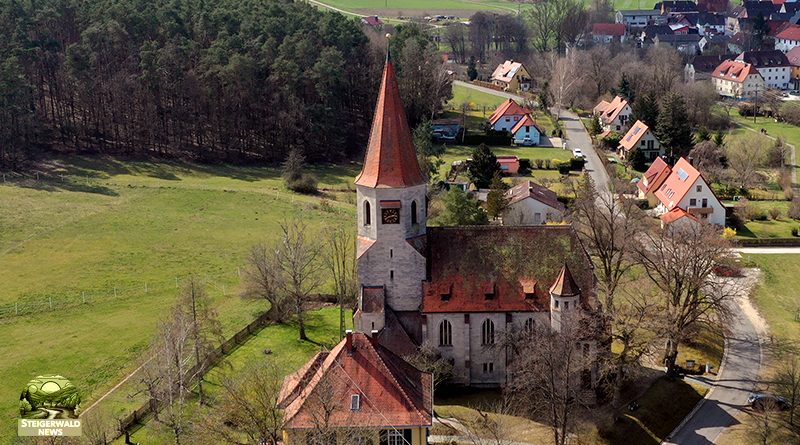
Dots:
pixel 348 339
pixel 691 161
pixel 373 336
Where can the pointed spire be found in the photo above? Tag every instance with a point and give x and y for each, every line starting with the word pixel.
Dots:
pixel 565 285
pixel 391 160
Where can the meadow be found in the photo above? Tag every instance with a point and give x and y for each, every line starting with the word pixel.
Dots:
pixel 454 7
pixel 776 295
pixel 136 227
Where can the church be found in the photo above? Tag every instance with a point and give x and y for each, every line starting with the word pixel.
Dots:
pixel 459 288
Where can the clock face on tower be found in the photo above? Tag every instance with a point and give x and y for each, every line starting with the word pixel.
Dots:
pixel 390 216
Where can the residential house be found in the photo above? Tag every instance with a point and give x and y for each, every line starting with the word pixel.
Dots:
pixel 446 285
pixel 773 66
pixel 737 79
pixel 741 17
pixel 652 179
pixel 613 115
pixel 526 132
pixel 707 23
pixel 506 116
pixel 639 18
pixel 679 28
pixel 639 137
pixel 794 60
pixel 532 204
pixel 703 66
pixel 788 38
pixel 509 165
pixel 511 76
pixel 608 32
pixel 687 44
pixel 675 6
pixel 714 44
pixel 358 392
pixel 720 6
pixel 651 31
pixel 686 189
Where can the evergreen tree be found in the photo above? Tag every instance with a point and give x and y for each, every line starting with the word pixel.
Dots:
pixel 645 109
pixel 429 155
pixel 673 129
pixel 760 31
pixel 595 127
pixel 497 200
pixel 294 173
pixel 483 166
pixel 472 71
pixel 624 88
pixel 719 138
pixel 544 97
pixel 459 209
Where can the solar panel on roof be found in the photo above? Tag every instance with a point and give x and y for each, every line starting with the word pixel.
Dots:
pixel 682 174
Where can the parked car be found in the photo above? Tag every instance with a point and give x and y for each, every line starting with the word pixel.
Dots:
pixel 577 153
pixel 762 401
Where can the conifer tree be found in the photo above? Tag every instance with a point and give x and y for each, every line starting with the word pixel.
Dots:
pixel 673 129
pixel 497 200
pixel 483 166
pixel 645 109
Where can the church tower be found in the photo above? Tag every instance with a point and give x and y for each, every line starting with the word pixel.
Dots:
pixel 391 194
pixel 565 297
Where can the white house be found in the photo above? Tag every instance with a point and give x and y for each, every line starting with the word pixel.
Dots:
pixel 639 18
pixel 686 192
pixel 737 79
pixel 773 66
pixel 507 115
pixel 532 204
pixel 639 137
pixel 613 115
pixel 526 132
pixel 788 38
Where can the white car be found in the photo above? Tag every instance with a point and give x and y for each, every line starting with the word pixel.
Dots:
pixel 577 153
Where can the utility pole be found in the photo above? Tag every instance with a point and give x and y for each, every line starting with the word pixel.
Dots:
pixel 755 108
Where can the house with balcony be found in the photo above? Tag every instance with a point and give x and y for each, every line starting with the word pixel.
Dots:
pixel 511 76
pixel 640 138
pixel 737 79
pixel 686 194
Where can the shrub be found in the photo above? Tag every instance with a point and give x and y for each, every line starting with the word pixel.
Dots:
pixel 728 233
pixel 563 168
pixel 759 215
pixel 539 163
pixel 774 213
pixel 744 210
pixel 794 208
pixel 576 164
pixel 795 231
pixel 525 166
pixel 305 183
pixel 790 111
pixel 547 165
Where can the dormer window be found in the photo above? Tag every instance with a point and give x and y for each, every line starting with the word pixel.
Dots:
pixel 489 291
pixel 355 402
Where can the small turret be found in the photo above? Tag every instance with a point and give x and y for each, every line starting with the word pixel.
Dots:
pixel 565 296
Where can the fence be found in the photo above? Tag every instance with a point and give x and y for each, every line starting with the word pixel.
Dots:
pixel 151 406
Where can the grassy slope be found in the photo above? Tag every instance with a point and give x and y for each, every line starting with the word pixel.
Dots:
pixel 135 223
pixel 776 297
pixel 416 7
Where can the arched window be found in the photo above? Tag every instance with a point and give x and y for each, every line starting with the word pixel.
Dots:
pixel 445 334
pixel 367 214
pixel 413 212
pixel 487 332
pixel 529 325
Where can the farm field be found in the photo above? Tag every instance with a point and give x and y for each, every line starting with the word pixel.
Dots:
pixel 776 296
pixel 131 228
pixel 393 8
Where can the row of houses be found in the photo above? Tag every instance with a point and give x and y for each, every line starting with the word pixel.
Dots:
pixel 750 72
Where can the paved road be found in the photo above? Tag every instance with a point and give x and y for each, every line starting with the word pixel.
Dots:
pixel 735 381
pixel 578 137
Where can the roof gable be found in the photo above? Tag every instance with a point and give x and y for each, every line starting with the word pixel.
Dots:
pixel 635 134
pixel 532 190
pixel 682 178
pixel 508 108
pixel 527 120
pixel 506 71
pixel 614 108
pixel 654 176
pixel 734 70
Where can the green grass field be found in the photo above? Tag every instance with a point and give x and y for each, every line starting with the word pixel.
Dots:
pixel 128 224
pixel 422 7
pixel 776 296
pixel 478 99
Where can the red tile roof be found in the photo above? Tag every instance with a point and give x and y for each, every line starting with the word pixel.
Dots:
pixel 529 189
pixel 391 160
pixel 654 176
pixel 601 107
pixel 565 285
pixel 362 245
pixel 734 70
pixel 608 29
pixel 527 120
pixel 676 214
pixel 613 109
pixel 677 184
pixel 508 259
pixel 794 56
pixel 634 135
pixel 506 71
pixel 508 108
pixel 392 392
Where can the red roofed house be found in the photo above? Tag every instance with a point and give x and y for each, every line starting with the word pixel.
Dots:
pixel 788 38
pixel 737 79
pixel 526 132
pixel 687 190
pixel 794 59
pixel 532 204
pixel 458 288
pixel 506 116
pixel 509 165
pixel 359 392
pixel 614 115
pixel 608 32
pixel 639 137
pixel 652 179
pixel 512 76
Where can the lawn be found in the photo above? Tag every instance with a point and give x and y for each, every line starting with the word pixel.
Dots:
pixel 134 227
pixel 286 351
pixel 769 228
pixel 482 105
pixel 776 296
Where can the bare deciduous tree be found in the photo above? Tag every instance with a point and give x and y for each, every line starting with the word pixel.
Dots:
pixel 260 280
pixel 707 156
pixel 680 261
pixel 428 359
pixel 247 410
pixel 745 158
pixel 206 330
pixel 342 267
pixel 493 425
pixel 567 75
pixel 787 382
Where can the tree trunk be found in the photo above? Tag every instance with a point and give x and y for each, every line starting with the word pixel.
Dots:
pixel 671 356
